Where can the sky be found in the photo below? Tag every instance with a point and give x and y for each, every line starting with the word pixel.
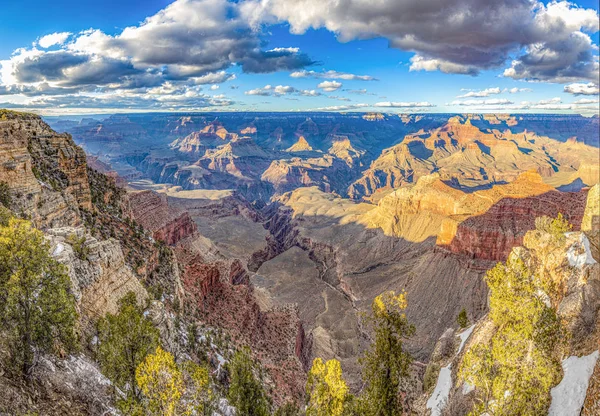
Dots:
pixel 392 56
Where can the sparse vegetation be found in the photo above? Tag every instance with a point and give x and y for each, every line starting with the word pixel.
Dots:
pixel 557 227
pixel 37 310
pixel 431 376
pixel 515 372
pixel 5 197
pixel 246 390
pixel 79 246
pixel 124 340
pixel 462 320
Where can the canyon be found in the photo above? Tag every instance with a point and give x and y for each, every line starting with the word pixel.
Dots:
pixel 281 229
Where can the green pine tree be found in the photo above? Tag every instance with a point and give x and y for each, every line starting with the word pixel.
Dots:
pixel 124 340
pixel 386 362
pixel 516 371
pixel 37 310
pixel 246 392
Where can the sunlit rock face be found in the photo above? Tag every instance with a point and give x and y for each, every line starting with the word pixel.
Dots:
pixel 472 156
pixel 46 172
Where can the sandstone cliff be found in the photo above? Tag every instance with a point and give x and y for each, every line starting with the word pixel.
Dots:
pixel 46 172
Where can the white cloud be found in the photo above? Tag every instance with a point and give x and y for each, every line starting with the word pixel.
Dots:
pixel 493 101
pixel 332 75
pixel 214 78
pixel 483 93
pixel 496 30
pixel 403 104
pixel 516 90
pixel 214 87
pixel 329 86
pixel 342 107
pixel 582 89
pixel 57 38
pixel 269 90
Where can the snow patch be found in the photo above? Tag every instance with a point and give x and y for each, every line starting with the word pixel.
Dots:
pixel 442 391
pixel 464 336
pixel 60 247
pixel 569 395
pixel 579 253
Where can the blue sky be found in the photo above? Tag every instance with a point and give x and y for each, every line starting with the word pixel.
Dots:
pixel 252 45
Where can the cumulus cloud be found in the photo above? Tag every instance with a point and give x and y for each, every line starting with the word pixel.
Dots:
pixel 56 38
pixel 462 36
pixel 280 90
pixel 582 89
pixel 213 78
pixel 329 86
pixel 269 90
pixel 192 42
pixel 482 93
pixel 332 75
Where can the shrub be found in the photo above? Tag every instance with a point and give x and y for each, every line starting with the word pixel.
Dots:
pixel 431 376
pixel 5 198
pixel 462 319
pixel 37 310
pixel 80 249
pixel 246 391
pixel 124 340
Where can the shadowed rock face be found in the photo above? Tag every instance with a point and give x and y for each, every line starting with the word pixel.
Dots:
pixel 492 235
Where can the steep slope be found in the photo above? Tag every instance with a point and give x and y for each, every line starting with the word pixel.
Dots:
pixel 45 172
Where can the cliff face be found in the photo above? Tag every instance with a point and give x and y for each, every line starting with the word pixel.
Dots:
pixel 166 223
pixel 100 277
pixel 46 172
pixel 492 236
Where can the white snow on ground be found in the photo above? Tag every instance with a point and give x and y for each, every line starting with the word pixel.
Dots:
pixel 576 257
pixel 569 395
pixel 442 389
pixel 464 336
pixel 441 392
pixel 59 249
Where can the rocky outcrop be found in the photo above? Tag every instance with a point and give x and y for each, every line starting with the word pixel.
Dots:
pixel 166 223
pixel 98 272
pixel 218 293
pixel 576 276
pixel 300 146
pixel 46 172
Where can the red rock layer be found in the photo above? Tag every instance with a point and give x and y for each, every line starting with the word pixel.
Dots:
pixel 492 236
pixel 166 223
pixel 219 294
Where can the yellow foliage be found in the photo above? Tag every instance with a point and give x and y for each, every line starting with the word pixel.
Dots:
pixel 389 302
pixel 161 382
pixel 326 389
